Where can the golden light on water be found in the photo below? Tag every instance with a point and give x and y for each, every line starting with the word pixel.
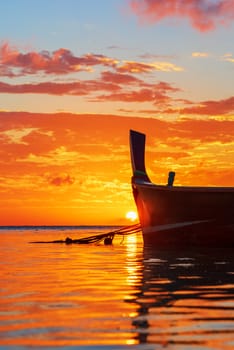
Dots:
pixel 134 277
pixel 132 267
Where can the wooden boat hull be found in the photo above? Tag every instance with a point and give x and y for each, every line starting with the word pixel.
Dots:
pixel 180 216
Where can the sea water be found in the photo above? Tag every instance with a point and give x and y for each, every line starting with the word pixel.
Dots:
pixel 70 296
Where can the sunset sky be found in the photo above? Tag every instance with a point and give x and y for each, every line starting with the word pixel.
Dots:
pixel 76 75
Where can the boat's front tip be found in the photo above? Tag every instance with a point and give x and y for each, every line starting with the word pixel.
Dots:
pixel 137 151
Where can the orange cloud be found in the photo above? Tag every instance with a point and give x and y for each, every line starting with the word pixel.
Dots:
pixel 155 93
pixel 211 108
pixel 75 169
pixel 139 67
pixel 126 88
pixel 204 15
pixel 135 67
pixel 60 180
pixel 141 95
pixel 120 87
pixel 44 88
pixel 119 78
pixel 16 135
pixel 62 61
pixel 53 88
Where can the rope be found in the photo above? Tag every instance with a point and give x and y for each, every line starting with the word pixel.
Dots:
pixel 106 237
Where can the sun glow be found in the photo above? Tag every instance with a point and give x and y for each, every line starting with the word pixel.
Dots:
pixel 131 215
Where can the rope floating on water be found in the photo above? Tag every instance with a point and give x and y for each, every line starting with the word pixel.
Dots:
pixel 107 238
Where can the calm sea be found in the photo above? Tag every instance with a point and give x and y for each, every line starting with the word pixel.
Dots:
pixel 70 296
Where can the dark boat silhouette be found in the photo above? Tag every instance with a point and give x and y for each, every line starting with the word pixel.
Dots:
pixel 180 215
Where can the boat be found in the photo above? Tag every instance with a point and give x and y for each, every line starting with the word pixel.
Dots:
pixel 173 216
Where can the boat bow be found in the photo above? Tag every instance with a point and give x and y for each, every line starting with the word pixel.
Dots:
pixel 181 215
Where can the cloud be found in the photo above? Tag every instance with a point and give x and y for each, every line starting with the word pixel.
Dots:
pixel 62 61
pixel 59 156
pixel 166 67
pixel 59 62
pixel 204 15
pixel 200 54
pixel 16 135
pixel 155 93
pixel 53 88
pixel 141 95
pixel 119 78
pixel 228 57
pixel 172 155
pixel 60 179
pixel 114 86
pixel 140 67
pixel 221 107
pixel 201 152
pixel 152 56
pixel 16 183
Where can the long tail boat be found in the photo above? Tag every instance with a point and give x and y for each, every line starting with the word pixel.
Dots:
pixel 174 216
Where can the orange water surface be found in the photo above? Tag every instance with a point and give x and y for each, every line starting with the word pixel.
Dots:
pixel 124 294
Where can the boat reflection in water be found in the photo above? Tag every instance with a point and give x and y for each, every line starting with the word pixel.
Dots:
pixel 185 300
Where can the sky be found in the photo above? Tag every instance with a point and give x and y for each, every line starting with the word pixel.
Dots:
pixel 77 75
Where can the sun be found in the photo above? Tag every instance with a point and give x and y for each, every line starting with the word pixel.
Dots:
pixel 131 215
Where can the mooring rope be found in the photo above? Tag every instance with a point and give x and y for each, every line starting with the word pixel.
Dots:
pixel 107 237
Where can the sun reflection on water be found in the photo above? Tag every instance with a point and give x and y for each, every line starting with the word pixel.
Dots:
pixel 133 263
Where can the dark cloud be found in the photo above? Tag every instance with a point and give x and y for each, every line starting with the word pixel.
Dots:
pixel 60 180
